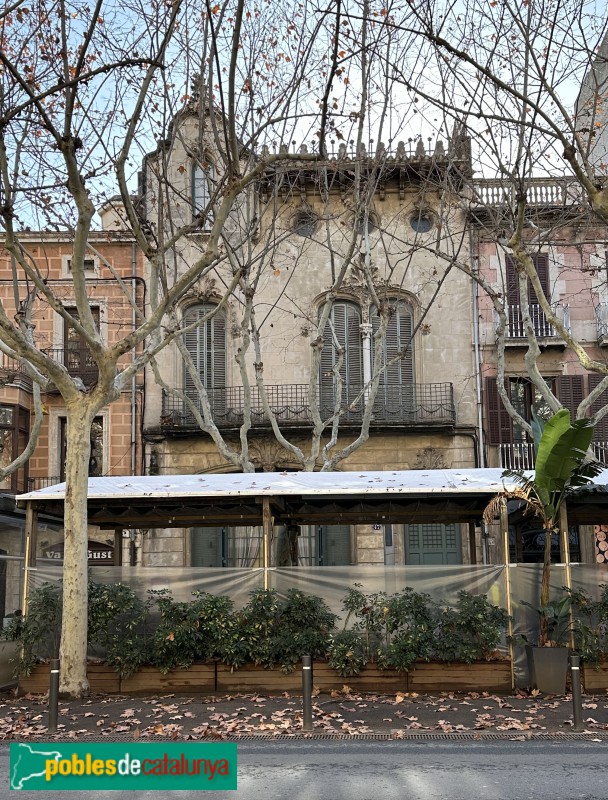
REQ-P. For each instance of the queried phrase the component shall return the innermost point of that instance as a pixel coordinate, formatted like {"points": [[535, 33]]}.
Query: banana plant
{"points": [[562, 463]]}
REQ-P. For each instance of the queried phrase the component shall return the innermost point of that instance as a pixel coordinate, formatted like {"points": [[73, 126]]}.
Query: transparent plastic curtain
{"points": [[442, 583], [182, 581]]}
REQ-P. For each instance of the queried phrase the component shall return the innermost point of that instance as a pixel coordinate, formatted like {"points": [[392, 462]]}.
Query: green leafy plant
{"points": [[38, 633], [347, 654], [591, 625], [393, 631], [561, 465], [555, 618], [471, 631], [304, 627], [410, 622], [192, 631], [118, 627], [252, 638]]}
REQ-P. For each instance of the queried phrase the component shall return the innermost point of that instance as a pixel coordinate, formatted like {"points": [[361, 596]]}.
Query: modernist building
{"points": [[306, 228]]}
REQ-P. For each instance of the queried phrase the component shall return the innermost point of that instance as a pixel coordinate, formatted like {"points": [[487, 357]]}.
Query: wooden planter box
{"points": [[199, 678], [102, 679], [595, 679], [494, 676]]}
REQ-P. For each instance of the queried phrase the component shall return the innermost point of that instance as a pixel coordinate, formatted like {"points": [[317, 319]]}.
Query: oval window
{"points": [[305, 223], [421, 221]]}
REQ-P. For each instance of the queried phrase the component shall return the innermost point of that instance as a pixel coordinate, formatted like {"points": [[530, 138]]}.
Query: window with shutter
{"points": [[77, 358], [202, 177], [342, 332], [541, 326], [499, 427], [206, 344], [395, 397], [600, 433], [570, 392]]}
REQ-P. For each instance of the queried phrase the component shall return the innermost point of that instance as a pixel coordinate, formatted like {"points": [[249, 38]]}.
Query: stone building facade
{"points": [[304, 227]]}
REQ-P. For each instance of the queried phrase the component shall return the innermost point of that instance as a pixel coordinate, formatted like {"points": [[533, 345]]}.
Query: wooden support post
{"points": [[118, 547], [29, 557], [472, 544], [504, 529], [267, 530]]}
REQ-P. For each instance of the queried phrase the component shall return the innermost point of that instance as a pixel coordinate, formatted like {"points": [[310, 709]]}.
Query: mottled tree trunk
{"points": [[73, 647]]}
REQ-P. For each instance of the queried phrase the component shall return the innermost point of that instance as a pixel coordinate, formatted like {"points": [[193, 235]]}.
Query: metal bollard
{"points": [[53, 695], [307, 693], [577, 703]]}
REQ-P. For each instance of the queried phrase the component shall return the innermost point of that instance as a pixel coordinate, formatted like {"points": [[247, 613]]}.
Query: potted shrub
{"points": [[561, 465]]}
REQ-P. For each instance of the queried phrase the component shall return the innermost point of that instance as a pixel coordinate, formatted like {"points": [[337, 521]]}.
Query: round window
{"points": [[305, 223], [421, 221]]}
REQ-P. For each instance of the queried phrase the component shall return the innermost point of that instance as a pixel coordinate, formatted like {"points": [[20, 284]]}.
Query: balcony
{"points": [[78, 362], [416, 405], [545, 332], [543, 193], [600, 451], [601, 316], [12, 372], [520, 455], [516, 455], [42, 483]]}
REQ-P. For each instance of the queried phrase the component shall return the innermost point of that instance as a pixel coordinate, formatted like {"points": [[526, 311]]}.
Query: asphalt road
{"points": [[399, 770]]}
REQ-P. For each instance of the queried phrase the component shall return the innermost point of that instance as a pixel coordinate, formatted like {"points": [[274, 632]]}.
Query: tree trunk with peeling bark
{"points": [[73, 646]]}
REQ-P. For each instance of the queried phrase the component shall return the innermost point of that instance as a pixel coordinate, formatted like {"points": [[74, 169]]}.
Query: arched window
{"points": [[202, 180], [206, 344], [395, 399], [342, 332]]}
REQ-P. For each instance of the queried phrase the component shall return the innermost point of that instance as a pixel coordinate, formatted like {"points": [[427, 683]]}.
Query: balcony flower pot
{"points": [[548, 668]]}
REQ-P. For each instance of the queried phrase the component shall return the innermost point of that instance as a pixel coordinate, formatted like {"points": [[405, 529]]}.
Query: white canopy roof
{"points": [[415, 482]]}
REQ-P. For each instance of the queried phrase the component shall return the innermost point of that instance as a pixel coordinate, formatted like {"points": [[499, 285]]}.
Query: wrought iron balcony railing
{"points": [[541, 325], [516, 455], [601, 316], [408, 405], [520, 455], [77, 361], [600, 450], [43, 483]]}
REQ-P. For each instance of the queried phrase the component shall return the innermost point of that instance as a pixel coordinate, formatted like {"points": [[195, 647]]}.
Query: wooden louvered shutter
{"points": [[346, 319], [541, 263], [206, 344], [396, 389], [512, 282], [499, 428], [570, 392], [600, 434], [337, 318], [193, 346], [353, 366]]}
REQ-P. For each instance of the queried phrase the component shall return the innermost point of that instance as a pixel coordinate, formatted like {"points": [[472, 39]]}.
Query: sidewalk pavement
{"points": [[345, 713]]}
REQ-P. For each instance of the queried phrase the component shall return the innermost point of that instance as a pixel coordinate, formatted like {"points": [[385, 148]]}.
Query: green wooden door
{"points": [[334, 545], [433, 543], [207, 547]]}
